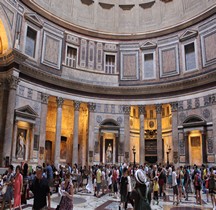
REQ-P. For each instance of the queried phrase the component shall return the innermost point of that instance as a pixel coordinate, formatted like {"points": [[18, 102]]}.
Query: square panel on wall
{"points": [[129, 65], [52, 50], [169, 60]]}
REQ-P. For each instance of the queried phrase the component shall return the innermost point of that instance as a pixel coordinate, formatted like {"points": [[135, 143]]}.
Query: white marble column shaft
{"points": [[159, 134], [127, 153], [142, 137]]}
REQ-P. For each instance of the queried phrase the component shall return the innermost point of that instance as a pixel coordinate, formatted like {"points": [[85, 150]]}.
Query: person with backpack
{"points": [[140, 194], [198, 186], [212, 187]]}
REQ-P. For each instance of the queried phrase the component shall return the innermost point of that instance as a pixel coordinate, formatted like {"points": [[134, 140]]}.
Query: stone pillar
{"points": [[59, 101], [175, 142], [43, 118], [204, 149], [186, 141], [31, 142], [76, 132], [213, 102], [159, 134], [8, 136], [14, 141], [91, 141], [127, 146], [142, 136]]}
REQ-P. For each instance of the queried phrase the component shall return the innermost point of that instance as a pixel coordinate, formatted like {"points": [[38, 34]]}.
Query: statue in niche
{"points": [[21, 144], [109, 153]]}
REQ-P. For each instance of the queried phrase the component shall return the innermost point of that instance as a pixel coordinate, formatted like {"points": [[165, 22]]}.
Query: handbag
{"points": [[4, 189]]}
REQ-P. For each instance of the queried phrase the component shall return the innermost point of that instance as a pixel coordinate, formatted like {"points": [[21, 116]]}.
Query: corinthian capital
{"points": [[13, 82], [158, 108], [44, 98], [174, 106], [126, 109], [141, 109], [59, 101], [77, 105], [92, 107]]}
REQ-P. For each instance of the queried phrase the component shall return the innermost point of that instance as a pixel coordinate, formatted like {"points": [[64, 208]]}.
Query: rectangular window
{"points": [[110, 64], [30, 44], [71, 56], [190, 58], [148, 66]]}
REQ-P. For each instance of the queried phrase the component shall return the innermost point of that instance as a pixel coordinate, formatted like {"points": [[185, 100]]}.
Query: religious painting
{"points": [[21, 143], [109, 150]]}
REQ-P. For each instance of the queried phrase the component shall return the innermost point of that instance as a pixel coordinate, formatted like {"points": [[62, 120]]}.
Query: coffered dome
{"points": [[124, 18]]}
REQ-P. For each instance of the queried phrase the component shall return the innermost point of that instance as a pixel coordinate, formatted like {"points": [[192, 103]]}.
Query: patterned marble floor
{"points": [[87, 201]]}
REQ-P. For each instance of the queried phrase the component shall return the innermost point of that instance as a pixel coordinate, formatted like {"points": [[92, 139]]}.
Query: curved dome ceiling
{"points": [[123, 17]]}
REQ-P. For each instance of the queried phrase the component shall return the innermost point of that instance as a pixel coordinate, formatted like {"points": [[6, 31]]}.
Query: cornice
{"points": [[106, 35], [148, 90]]}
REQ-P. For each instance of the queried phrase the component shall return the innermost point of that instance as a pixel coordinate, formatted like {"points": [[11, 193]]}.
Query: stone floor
{"points": [[87, 201]]}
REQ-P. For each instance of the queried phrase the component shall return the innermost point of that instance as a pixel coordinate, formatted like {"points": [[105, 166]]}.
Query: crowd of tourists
{"points": [[141, 186]]}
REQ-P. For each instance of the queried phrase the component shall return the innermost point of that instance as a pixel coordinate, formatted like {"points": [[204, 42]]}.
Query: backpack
{"points": [[143, 202], [211, 184]]}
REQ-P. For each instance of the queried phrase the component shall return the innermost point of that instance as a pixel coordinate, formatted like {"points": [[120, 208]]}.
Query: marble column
{"points": [[186, 141], [76, 132], [43, 119], [14, 141], [31, 142], [204, 149], [142, 135], [127, 146], [175, 142], [59, 101], [213, 102], [91, 141], [159, 134], [8, 136]]}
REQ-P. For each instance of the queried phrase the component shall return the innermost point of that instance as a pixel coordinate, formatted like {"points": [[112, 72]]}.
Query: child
{"points": [[155, 189]]}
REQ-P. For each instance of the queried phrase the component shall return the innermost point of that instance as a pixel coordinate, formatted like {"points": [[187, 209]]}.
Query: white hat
{"points": [[140, 176]]}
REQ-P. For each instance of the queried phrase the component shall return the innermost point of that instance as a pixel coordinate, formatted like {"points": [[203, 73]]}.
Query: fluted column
{"points": [[76, 132], [127, 146], [43, 118], [142, 137], [91, 142], [59, 101], [7, 145], [175, 142], [159, 134]]}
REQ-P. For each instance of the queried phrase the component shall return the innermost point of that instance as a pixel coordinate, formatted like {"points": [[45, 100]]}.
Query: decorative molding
{"points": [[9, 14], [99, 119], [180, 106], [182, 117], [148, 45], [206, 113], [141, 109], [189, 104], [197, 103], [13, 81], [207, 100], [119, 120], [33, 18], [26, 112], [188, 35], [210, 145]]}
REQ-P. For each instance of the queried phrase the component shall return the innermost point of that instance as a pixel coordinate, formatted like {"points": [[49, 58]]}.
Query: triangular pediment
{"points": [[188, 35], [26, 112], [148, 45], [32, 17]]}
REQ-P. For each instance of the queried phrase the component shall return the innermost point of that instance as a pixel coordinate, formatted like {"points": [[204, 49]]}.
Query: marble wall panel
{"points": [[52, 50], [129, 65], [99, 56], [210, 49], [91, 55], [83, 53]]}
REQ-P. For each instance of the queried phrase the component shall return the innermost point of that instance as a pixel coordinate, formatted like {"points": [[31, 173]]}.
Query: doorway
{"points": [[195, 150]]}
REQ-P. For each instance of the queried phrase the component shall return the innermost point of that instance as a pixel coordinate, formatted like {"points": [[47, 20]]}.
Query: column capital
{"points": [[213, 99], [158, 108], [92, 107], [13, 81], [59, 101], [77, 105], [44, 98], [126, 109], [141, 109], [174, 106]]}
